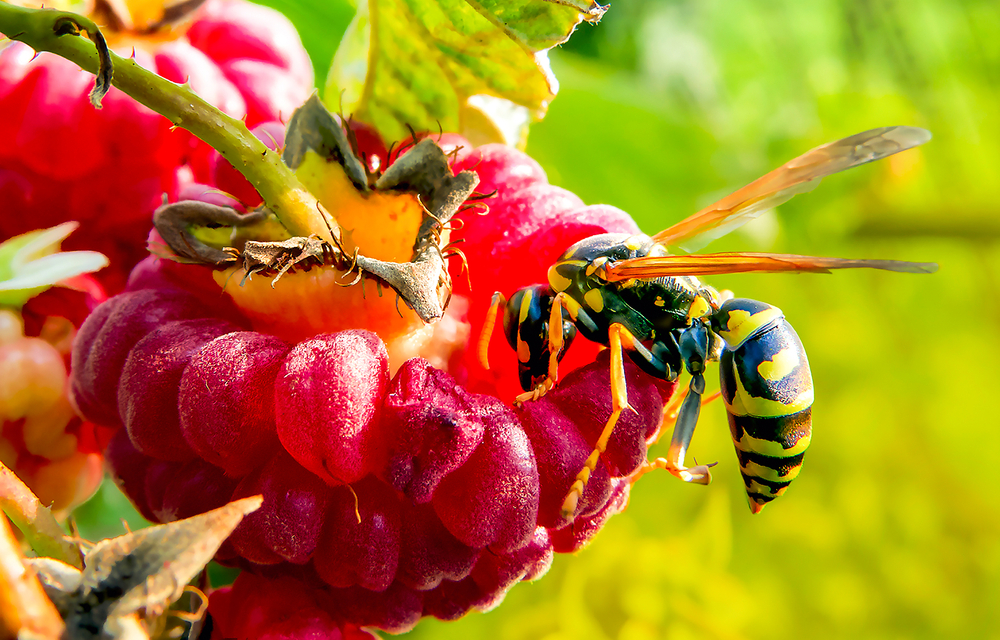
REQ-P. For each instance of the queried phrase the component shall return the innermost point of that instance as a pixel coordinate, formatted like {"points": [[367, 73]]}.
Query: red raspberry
{"points": [[392, 490], [254, 608], [245, 59]]}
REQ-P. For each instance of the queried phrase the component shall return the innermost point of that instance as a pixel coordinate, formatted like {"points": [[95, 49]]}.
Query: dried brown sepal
{"points": [[128, 582], [424, 282], [314, 128], [174, 223], [286, 254]]}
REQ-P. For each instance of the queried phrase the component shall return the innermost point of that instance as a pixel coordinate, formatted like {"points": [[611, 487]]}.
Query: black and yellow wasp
{"points": [[628, 292]]}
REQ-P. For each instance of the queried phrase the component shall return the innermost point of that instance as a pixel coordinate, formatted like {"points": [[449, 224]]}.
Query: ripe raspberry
{"points": [[254, 608], [393, 488], [245, 59]]}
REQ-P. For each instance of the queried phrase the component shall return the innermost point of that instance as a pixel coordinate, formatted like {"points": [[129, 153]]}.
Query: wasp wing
{"points": [[796, 176], [716, 263]]}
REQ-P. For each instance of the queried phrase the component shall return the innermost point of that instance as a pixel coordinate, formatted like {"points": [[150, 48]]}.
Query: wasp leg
{"points": [[577, 314], [619, 402], [555, 342], [687, 419], [540, 390], [496, 305], [673, 408]]}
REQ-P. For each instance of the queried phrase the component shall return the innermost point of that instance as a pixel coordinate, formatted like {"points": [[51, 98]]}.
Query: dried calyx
{"points": [[422, 282]]}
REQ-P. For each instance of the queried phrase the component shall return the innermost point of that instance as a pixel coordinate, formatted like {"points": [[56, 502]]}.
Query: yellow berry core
{"points": [[323, 300]]}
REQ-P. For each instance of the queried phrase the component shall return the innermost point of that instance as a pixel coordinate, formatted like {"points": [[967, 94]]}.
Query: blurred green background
{"points": [[893, 528]]}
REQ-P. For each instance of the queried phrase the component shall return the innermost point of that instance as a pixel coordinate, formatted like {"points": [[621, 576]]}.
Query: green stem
{"points": [[296, 208]]}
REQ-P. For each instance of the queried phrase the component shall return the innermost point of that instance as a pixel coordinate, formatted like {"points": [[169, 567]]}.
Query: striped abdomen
{"points": [[768, 391]]}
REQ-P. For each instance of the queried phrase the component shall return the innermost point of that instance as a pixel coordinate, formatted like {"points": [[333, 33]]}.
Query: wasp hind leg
{"points": [[687, 419], [694, 345]]}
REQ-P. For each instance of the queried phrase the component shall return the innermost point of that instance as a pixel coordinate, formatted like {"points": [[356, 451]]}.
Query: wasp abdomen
{"points": [[768, 391]]}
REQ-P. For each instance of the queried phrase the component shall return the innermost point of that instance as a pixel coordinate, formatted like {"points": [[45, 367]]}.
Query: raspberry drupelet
{"points": [[398, 479]]}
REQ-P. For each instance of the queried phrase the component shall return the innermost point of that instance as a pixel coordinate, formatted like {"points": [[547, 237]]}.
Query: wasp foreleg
{"points": [[497, 304], [577, 314]]}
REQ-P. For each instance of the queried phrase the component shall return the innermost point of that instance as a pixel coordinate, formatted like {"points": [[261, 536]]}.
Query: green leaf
{"points": [[478, 68], [31, 263]]}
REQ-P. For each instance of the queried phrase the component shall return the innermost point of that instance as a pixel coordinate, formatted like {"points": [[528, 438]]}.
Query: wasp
{"points": [[629, 293]]}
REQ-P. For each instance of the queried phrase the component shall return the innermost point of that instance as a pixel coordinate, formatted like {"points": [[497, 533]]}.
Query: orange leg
{"points": [[498, 303], [555, 343], [619, 402]]}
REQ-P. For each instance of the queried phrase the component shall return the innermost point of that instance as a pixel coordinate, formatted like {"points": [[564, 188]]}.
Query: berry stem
{"points": [[35, 520], [46, 30]]}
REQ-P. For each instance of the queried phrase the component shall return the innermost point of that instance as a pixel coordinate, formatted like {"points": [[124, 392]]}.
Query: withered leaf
{"points": [[138, 575]]}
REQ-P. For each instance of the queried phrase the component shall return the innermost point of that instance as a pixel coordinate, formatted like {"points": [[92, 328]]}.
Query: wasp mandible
{"points": [[628, 292]]}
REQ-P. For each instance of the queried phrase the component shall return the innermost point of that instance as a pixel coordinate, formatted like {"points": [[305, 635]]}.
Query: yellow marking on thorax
{"points": [[767, 473], [783, 363], [558, 281], [740, 324], [525, 306], [745, 404], [634, 243], [594, 300], [699, 308]]}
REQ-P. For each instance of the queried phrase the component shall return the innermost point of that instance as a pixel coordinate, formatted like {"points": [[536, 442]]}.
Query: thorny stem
{"points": [[296, 208], [35, 520]]}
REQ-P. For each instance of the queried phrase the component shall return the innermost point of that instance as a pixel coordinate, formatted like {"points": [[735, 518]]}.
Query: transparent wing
{"points": [[796, 176], [716, 263]]}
